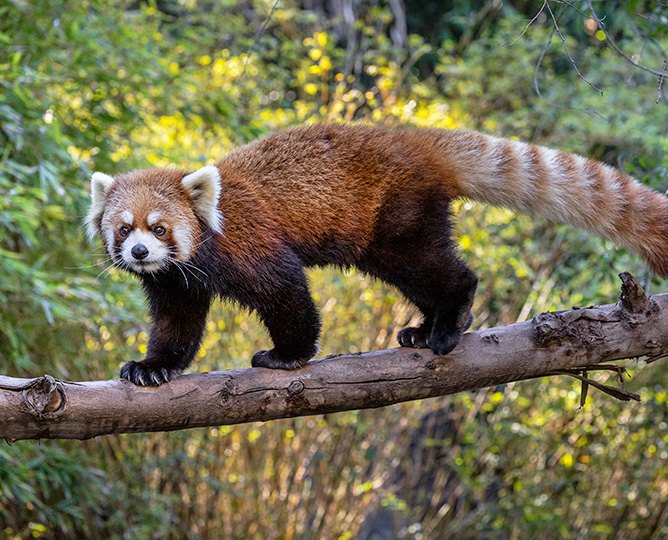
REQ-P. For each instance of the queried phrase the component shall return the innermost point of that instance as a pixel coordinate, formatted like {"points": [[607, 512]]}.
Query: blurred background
{"points": [[113, 85]]}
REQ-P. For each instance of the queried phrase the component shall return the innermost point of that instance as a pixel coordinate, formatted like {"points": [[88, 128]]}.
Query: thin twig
{"points": [[599, 367], [651, 359], [537, 70], [613, 391], [257, 38], [661, 77], [651, 20], [573, 8], [528, 25], [563, 41]]}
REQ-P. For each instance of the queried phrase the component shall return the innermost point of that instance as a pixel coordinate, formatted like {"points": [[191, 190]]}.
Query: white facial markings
{"points": [[153, 218], [127, 217], [157, 256], [182, 235], [109, 238]]}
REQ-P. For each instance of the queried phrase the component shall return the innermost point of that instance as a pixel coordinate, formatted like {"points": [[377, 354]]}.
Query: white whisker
{"points": [[202, 242], [193, 267], [87, 265], [189, 265], [182, 273], [181, 265], [106, 271]]}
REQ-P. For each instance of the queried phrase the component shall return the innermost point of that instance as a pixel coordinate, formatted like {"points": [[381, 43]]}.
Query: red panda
{"points": [[374, 198]]}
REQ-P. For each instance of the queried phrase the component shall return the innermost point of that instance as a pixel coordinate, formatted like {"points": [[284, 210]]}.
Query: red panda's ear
{"points": [[99, 185], [203, 187]]}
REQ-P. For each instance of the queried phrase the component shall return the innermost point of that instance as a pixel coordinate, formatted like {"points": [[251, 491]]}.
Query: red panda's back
{"points": [[332, 181]]}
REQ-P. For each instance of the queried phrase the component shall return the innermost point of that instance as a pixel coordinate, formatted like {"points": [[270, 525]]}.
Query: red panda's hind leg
{"points": [[431, 275], [413, 251], [456, 285], [443, 291]]}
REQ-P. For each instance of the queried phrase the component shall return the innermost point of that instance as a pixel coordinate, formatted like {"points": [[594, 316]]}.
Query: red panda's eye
{"points": [[124, 231], [158, 231]]}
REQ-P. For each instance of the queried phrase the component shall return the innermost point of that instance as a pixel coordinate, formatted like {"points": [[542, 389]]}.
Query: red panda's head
{"points": [[150, 217]]}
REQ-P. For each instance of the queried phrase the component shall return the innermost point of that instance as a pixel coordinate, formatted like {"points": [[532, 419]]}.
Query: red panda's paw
{"points": [[442, 341], [143, 374], [272, 360], [414, 337]]}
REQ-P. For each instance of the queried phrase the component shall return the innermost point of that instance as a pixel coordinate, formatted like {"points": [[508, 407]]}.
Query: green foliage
{"points": [[112, 85]]}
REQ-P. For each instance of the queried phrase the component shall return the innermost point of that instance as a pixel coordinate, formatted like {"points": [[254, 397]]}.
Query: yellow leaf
{"points": [[566, 460]]}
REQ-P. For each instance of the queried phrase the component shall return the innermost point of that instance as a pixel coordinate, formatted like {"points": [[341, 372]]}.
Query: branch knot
{"points": [[296, 387], [45, 398]]}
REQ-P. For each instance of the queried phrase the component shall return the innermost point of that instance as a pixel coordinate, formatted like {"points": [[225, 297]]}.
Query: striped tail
{"points": [[562, 187]]}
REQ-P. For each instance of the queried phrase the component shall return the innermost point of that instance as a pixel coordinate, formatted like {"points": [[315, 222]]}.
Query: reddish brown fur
{"points": [[326, 184]]}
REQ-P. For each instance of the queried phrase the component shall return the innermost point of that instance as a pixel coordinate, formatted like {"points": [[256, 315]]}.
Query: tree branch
{"points": [[539, 64], [563, 42], [564, 342]]}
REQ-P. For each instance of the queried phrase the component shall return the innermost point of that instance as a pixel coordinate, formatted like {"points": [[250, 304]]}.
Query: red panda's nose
{"points": [[139, 251]]}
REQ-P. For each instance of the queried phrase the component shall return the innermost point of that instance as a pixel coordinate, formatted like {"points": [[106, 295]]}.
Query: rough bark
{"points": [[551, 343]]}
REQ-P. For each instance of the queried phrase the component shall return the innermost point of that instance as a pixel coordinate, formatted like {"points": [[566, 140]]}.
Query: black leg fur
{"points": [[179, 320], [413, 251], [291, 317], [453, 314]]}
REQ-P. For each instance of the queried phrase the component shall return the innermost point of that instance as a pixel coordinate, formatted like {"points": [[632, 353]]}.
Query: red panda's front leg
{"points": [[179, 321]]}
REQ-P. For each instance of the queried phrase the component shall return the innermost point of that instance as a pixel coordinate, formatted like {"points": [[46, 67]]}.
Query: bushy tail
{"points": [[562, 187]]}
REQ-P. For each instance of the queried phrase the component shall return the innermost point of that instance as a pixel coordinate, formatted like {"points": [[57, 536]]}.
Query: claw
{"points": [[142, 374]]}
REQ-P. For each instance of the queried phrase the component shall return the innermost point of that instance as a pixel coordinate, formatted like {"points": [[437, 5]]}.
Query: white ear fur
{"points": [[203, 187], [99, 185]]}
